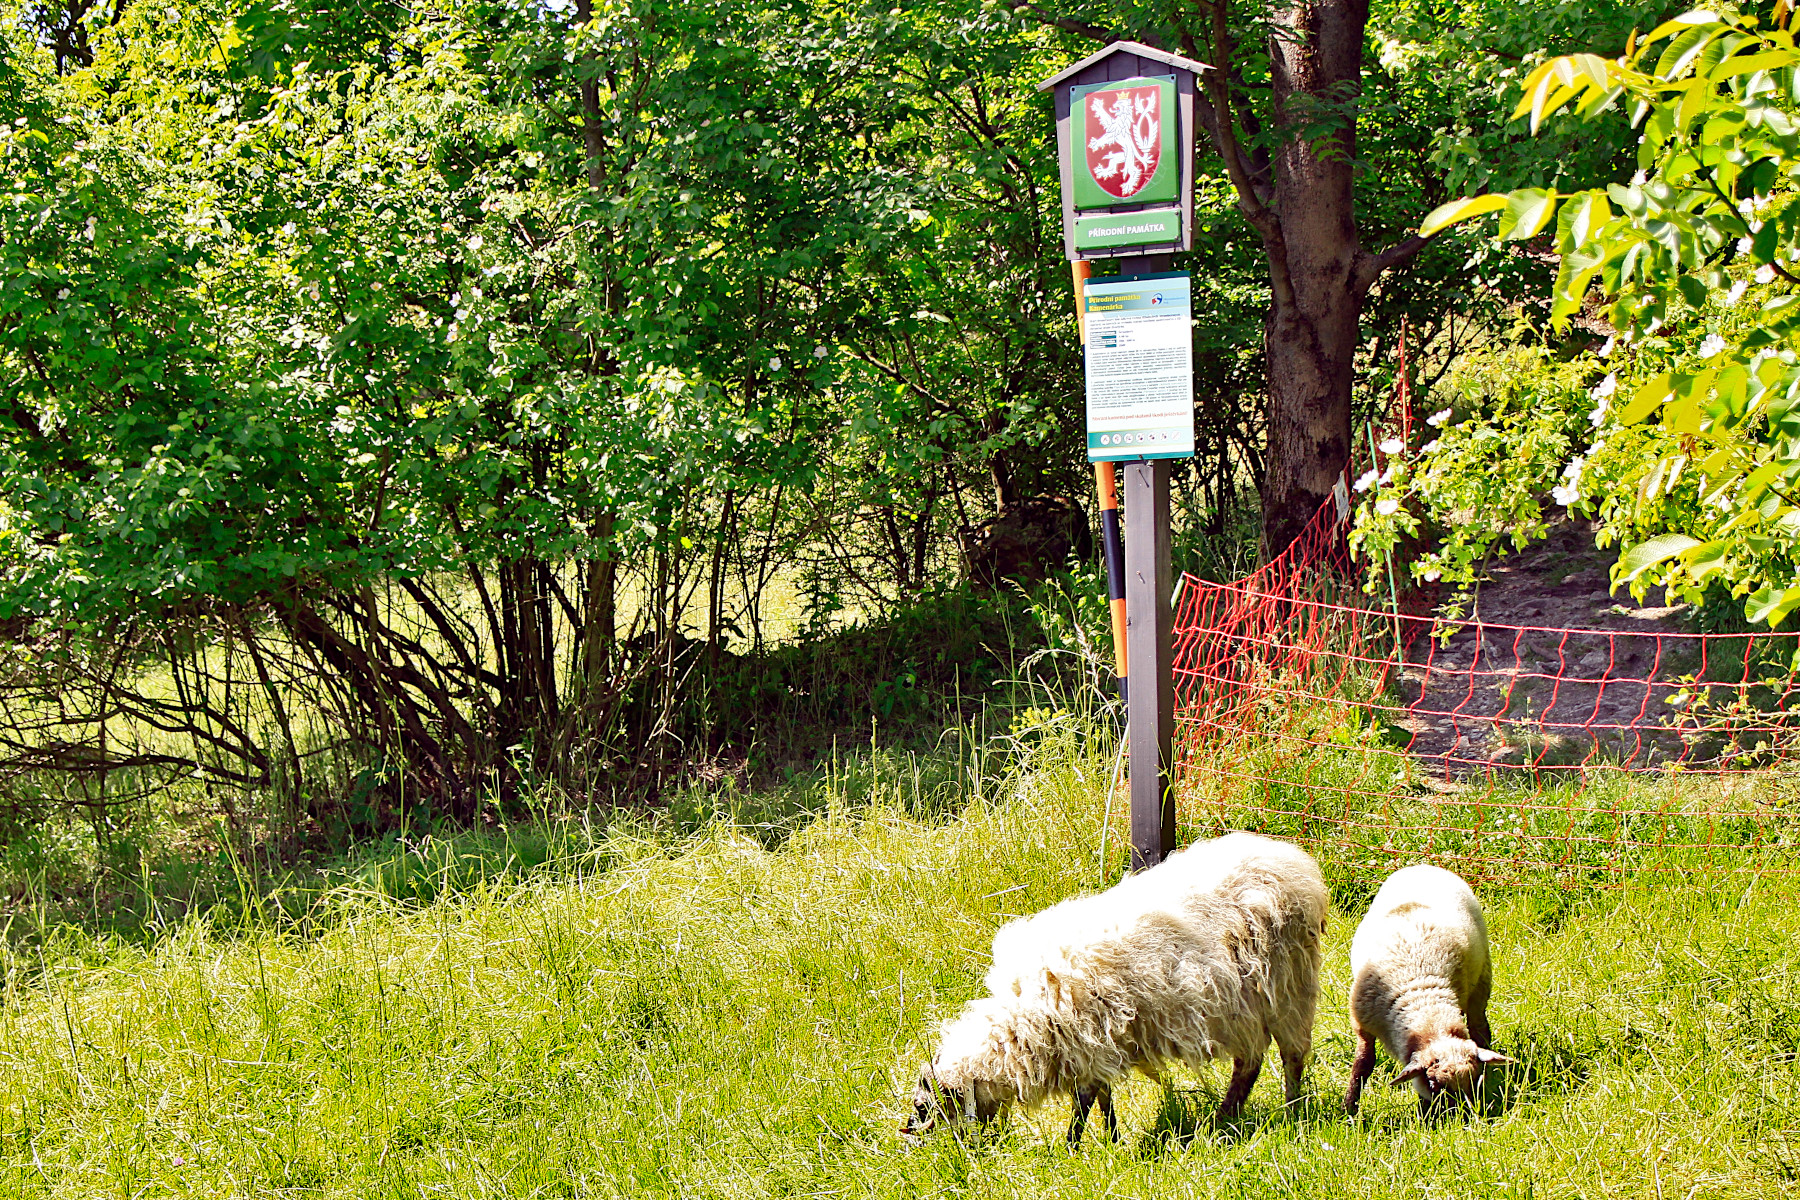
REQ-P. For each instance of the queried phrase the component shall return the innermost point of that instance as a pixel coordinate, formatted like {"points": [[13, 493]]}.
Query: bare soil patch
{"points": [[1552, 669]]}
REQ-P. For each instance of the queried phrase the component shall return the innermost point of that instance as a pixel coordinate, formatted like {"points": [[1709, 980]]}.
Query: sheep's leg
{"points": [[1084, 1100], [1106, 1110], [1360, 1070], [1479, 1031], [1243, 1077], [1293, 1065]]}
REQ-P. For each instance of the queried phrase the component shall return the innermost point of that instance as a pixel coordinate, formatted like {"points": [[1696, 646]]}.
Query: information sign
{"points": [[1140, 367], [1125, 141]]}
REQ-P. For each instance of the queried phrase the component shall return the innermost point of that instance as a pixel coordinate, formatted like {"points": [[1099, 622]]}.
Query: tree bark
{"points": [[1310, 334]]}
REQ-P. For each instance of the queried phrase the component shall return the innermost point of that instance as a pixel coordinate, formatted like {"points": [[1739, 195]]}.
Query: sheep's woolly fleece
{"points": [[1203, 956], [1421, 975]]}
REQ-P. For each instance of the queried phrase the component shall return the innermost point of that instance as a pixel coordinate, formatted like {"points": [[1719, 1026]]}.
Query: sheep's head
{"points": [[966, 1081], [934, 1101], [951, 1102], [1447, 1066]]}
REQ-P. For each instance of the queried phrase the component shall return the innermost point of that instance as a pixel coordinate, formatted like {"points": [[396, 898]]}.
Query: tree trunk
{"points": [[1310, 351], [715, 591], [599, 610], [1310, 334]]}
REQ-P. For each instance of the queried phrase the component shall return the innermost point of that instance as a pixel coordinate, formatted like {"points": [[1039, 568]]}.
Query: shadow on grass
{"points": [[1188, 1116]]}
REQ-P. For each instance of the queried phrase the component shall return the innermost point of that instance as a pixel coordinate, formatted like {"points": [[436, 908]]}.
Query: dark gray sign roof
{"points": [[1137, 48]]}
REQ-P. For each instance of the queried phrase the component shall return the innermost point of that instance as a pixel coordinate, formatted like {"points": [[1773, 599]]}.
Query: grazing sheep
{"points": [[1206, 955], [1420, 978]]}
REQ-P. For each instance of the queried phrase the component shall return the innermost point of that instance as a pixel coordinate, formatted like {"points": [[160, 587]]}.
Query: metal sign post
{"points": [[1125, 132]]}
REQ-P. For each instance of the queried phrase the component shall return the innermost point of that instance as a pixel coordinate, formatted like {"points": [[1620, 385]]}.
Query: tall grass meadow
{"points": [[730, 1000]]}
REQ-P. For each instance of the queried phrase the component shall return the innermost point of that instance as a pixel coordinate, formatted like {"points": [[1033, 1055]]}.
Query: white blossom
{"points": [[1438, 418], [1637, 180], [820, 352], [1737, 292], [775, 364], [1428, 447], [1364, 481], [1387, 507], [476, 242], [1387, 476], [1713, 345], [1743, 245], [1765, 274], [1392, 446], [1432, 575], [1602, 392], [1606, 350], [1569, 490]]}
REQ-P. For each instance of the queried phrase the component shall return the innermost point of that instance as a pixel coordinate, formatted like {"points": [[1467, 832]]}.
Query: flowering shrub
{"points": [[1477, 485], [1526, 438]]}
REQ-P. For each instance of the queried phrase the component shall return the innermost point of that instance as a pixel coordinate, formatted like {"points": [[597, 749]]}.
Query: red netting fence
{"points": [[1501, 748]]}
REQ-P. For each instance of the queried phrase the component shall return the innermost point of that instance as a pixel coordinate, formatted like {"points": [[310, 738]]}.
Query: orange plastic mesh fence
{"points": [[1506, 751]]}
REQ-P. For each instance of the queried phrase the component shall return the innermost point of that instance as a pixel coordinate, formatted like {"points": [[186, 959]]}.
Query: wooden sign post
{"points": [[1125, 135]]}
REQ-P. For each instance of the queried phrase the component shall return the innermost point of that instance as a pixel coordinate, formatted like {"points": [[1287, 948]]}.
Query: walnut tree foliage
{"points": [[1693, 462]]}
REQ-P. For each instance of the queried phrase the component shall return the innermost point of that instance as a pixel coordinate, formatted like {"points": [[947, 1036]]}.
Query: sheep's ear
{"points": [[1492, 1056], [1412, 1072]]}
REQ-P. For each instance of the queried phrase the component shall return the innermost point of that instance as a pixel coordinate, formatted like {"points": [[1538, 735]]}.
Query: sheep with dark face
{"points": [[1207, 955], [1420, 981]]}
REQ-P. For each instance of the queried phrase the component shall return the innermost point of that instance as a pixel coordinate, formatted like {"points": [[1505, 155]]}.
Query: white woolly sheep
{"points": [[1206, 955], [1420, 979]]}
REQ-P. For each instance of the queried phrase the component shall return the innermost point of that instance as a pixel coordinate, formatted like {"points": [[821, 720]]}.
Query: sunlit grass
{"points": [[735, 1013]]}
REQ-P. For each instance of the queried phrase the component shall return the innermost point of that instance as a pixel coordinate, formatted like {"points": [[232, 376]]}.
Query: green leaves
{"points": [[1558, 81], [1523, 214], [1446, 215], [1701, 462], [1526, 213], [1771, 605], [1642, 557]]}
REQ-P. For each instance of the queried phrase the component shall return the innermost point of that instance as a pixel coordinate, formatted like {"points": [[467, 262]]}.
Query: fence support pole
{"points": [[1112, 546], [1150, 724]]}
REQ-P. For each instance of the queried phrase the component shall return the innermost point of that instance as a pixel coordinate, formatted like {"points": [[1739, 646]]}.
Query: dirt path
{"points": [[1551, 669]]}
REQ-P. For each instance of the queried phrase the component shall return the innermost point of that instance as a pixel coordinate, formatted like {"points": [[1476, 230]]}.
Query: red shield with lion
{"points": [[1124, 138]]}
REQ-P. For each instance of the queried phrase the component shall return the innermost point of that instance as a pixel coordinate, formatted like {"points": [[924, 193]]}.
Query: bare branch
{"points": [[1370, 267], [1216, 115]]}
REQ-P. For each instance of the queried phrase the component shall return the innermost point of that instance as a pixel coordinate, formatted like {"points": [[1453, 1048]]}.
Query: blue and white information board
{"points": [[1140, 367]]}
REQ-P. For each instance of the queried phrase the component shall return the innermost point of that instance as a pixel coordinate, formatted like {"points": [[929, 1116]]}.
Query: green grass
{"points": [[737, 1013]]}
